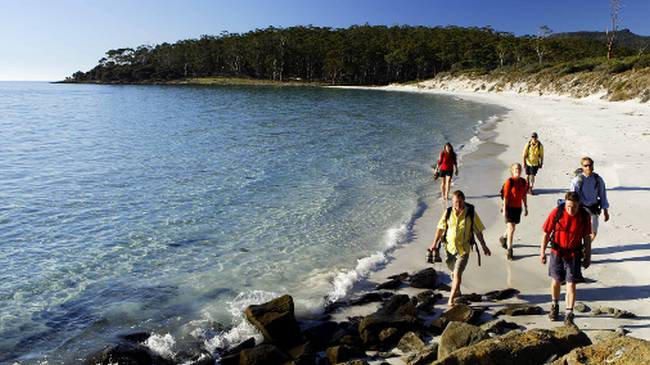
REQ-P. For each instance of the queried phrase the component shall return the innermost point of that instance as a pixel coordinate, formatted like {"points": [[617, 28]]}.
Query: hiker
{"points": [[513, 194], [592, 191], [447, 161], [456, 229], [533, 160], [568, 231]]}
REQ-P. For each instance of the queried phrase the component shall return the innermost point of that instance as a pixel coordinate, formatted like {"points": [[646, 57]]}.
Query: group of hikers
{"points": [[569, 229]]}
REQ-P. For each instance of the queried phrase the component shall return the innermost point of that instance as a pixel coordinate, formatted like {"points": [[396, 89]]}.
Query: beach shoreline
{"points": [[616, 277]]}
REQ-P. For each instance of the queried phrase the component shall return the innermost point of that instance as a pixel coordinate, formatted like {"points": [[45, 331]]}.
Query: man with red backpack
{"points": [[568, 231]]}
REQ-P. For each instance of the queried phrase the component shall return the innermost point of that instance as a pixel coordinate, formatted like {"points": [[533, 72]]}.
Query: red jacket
{"points": [[446, 161], [569, 230]]}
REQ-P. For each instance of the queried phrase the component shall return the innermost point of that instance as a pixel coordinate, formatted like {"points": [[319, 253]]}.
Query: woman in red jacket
{"points": [[446, 163]]}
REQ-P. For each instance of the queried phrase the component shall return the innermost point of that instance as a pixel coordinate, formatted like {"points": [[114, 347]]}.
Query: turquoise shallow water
{"points": [[170, 208]]}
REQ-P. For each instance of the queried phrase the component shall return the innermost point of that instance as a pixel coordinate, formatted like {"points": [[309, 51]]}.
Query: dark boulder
{"points": [[321, 334], [126, 354], [498, 326], [424, 279], [304, 354], [399, 305], [135, 336], [615, 351], [276, 320], [468, 298], [390, 285], [615, 312], [437, 326], [424, 357], [411, 342], [581, 307], [264, 354], [231, 356], [371, 297], [342, 353], [516, 348], [400, 276], [520, 310], [500, 294], [462, 313], [458, 335]]}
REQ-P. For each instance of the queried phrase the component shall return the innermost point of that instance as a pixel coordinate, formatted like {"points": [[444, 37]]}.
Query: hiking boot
{"points": [[437, 258], [504, 241], [509, 254], [554, 313], [568, 319]]}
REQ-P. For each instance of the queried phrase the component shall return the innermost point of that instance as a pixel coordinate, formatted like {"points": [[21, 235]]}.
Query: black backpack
{"points": [[472, 241]]}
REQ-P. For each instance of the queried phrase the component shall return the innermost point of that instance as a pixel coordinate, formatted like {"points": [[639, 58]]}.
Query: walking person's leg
{"points": [[510, 238], [557, 272], [443, 188], [556, 285], [447, 187], [457, 265]]}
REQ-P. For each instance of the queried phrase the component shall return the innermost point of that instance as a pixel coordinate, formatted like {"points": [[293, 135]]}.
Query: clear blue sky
{"points": [[48, 40]]}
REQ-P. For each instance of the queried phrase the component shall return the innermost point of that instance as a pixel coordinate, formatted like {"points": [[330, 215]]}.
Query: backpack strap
{"points": [[581, 180], [582, 215], [447, 215], [472, 242]]}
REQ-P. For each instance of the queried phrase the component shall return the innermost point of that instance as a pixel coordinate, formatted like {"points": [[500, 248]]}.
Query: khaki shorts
{"points": [[457, 263]]}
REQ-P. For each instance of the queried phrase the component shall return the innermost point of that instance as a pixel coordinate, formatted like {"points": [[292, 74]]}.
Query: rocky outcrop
{"points": [[530, 347], [615, 312], [398, 313], [263, 354], [458, 335], [500, 294], [520, 310], [276, 321], [424, 357], [342, 353], [411, 342], [424, 279], [498, 326], [391, 284], [127, 354], [462, 313], [615, 351]]}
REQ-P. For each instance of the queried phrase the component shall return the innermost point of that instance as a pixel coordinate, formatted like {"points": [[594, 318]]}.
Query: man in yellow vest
{"points": [[456, 229], [533, 160]]}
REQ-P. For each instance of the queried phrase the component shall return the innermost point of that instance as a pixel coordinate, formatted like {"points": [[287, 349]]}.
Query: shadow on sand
{"points": [[616, 293], [553, 191]]}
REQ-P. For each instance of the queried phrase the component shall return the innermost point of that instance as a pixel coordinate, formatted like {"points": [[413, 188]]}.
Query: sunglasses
{"points": [[587, 165]]}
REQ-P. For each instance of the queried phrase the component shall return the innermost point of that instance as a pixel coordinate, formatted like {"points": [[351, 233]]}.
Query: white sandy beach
{"points": [[617, 136]]}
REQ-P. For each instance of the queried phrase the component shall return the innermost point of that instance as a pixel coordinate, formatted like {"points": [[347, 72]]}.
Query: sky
{"points": [[51, 39]]}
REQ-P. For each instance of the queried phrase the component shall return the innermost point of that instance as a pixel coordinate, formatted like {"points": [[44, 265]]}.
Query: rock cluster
{"points": [[402, 326]]}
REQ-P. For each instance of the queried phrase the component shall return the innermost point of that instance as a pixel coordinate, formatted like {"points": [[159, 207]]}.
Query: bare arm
{"points": [[542, 251], [481, 239], [437, 238], [586, 260], [526, 204], [456, 165]]}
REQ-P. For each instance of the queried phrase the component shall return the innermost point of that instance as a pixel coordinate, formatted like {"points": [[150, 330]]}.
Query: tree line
{"points": [[360, 55]]}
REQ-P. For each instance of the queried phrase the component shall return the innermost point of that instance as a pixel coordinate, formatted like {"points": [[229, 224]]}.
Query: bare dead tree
{"points": [[614, 12], [540, 46]]}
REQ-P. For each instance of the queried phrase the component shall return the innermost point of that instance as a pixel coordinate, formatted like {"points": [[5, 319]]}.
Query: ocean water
{"points": [[171, 208]]}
